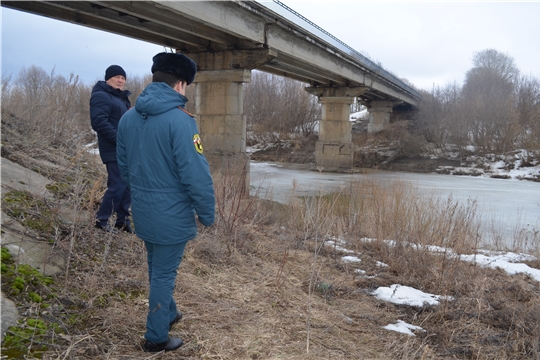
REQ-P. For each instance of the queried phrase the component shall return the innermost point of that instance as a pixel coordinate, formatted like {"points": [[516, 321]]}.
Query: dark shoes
{"points": [[177, 319], [122, 227], [125, 227], [170, 344], [107, 228]]}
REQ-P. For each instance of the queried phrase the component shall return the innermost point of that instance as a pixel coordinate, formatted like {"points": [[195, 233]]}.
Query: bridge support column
{"points": [[379, 115], [334, 149], [219, 103]]}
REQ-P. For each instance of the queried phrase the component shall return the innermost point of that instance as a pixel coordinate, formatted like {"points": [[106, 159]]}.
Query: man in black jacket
{"points": [[109, 101]]}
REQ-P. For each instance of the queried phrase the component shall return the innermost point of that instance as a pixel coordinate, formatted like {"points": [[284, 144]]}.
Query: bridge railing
{"points": [[334, 41]]}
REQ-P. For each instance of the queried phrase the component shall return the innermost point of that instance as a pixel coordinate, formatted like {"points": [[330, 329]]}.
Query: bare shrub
{"points": [[237, 212], [442, 120], [50, 108], [402, 227], [528, 107], [281, 293], [396, 211], [419, 239], [136, 85], [279, 105]]}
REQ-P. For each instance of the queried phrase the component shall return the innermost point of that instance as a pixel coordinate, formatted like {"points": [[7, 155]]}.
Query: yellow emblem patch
{"points": [[197, 143]]}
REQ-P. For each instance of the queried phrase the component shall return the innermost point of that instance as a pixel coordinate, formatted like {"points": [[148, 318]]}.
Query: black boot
{"points": [[107, 228], [170, 344], [176, 319], [125, 227]]}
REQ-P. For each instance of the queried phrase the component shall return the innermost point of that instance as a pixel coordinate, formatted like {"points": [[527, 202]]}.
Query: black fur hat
{"points": [[114, 70], [176, 64]]}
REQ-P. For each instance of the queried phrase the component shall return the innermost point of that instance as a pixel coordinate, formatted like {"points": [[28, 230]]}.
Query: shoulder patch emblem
{"points": [[197, 143]]}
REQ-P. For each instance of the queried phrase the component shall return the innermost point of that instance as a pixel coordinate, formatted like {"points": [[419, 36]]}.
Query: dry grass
{"points": [[272, 291], [259, 303], [261, 284]]}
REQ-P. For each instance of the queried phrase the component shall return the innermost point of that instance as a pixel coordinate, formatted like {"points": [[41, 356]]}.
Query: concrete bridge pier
{"points": [[379, 115], [334, 149], [219, 100], [219, 103]]}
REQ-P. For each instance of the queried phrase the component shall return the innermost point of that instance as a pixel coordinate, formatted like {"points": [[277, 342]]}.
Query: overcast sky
{"points": [[428, 43]]}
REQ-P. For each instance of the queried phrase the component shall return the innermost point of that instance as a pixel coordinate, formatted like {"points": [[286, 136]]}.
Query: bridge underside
{"points": [[227, 40]]}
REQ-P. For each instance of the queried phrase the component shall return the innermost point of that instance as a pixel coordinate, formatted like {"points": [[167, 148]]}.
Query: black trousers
{"points": [[117, 198]]}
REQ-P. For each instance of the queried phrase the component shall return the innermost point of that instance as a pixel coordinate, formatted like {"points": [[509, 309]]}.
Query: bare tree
{"points": [[32, 83], [136, 85], [51, 105], [488, 97], [528, 100], [260, 99], [276, 104], [528, 108], [440, 120], [502, 64]]}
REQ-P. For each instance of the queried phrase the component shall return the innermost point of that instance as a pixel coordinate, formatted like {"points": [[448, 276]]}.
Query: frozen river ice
{"points": [[507, 204]]}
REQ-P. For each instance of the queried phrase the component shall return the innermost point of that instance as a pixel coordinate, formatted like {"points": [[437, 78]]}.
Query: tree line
{"points": [[496, 110], [52, 109], [57, 108]]}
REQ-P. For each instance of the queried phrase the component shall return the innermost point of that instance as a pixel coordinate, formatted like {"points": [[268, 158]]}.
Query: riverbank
{"points": [[301, 280], [506, 210], [381, 153]]}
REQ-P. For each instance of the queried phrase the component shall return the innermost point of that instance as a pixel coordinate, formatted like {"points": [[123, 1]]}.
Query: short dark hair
{"points": [[168, 78]]}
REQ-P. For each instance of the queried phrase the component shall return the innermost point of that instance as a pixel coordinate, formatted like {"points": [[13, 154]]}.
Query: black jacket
{"points": [[107, 105]]}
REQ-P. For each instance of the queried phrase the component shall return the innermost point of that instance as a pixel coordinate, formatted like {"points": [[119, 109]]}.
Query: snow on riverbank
{"points": [[405, 295]]}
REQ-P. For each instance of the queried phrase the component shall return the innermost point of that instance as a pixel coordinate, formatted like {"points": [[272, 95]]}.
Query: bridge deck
{"points": [[314, 57]]}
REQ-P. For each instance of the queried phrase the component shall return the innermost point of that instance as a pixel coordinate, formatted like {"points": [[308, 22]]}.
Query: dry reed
{"points": [[262, 284]]}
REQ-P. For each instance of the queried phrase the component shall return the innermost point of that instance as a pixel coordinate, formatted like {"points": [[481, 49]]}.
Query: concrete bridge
{"points": [[229, 39]]}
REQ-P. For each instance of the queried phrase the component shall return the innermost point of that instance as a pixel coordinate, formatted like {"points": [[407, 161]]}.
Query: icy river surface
{"points": [[504, 204]]}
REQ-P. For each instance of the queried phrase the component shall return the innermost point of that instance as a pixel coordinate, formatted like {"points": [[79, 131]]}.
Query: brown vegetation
{"points": [[270, 289], [496, 110], [261, 283]]}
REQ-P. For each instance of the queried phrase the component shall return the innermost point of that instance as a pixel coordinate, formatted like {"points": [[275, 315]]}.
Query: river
{"points": [[504, 205]]}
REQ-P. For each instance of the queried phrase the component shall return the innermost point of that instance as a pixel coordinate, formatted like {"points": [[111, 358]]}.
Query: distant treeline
{"points": [[496, 110], [57, 108]]}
